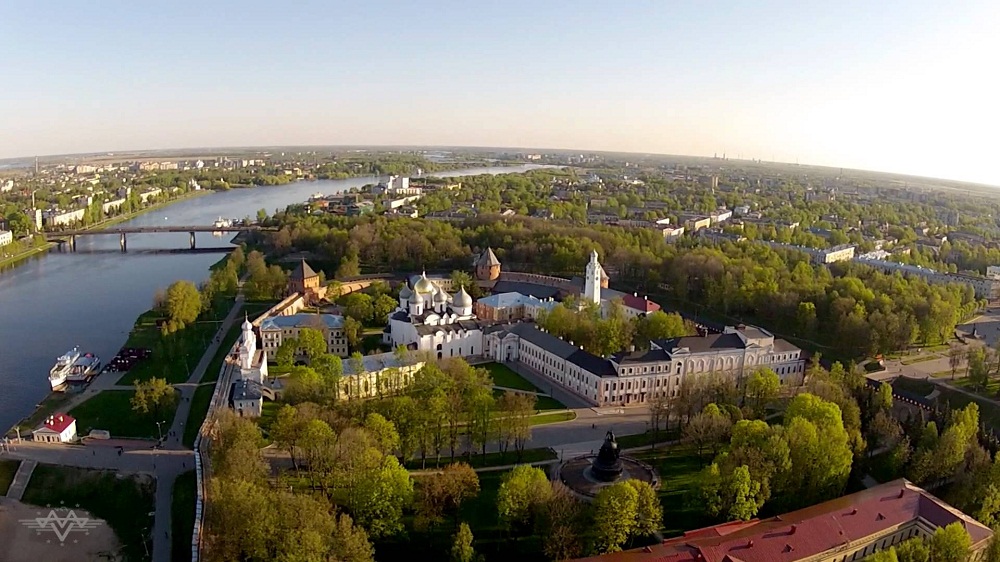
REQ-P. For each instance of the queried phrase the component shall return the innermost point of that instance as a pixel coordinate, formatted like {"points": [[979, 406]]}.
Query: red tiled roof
{"points": [[58, 422], [640, 303], [807, 532]]}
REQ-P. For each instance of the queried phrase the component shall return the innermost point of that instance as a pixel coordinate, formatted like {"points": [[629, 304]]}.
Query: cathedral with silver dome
{"points": [[431, 319]]}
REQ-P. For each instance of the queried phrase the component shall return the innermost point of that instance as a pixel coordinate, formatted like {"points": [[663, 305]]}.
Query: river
{"points": [[91, 298]]}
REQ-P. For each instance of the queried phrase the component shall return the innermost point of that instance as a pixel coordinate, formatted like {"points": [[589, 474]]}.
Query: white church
{"points": [[429, 319], [247, 391]]}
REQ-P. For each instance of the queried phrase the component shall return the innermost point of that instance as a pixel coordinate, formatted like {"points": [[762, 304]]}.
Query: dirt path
{"points": [[26, 539]]}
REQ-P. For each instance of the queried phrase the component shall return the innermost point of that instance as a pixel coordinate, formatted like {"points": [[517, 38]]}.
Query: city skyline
{"points": [[895, 87]]}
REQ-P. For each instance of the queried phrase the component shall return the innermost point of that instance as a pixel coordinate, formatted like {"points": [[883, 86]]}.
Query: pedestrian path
{"points": [[21, 479]]}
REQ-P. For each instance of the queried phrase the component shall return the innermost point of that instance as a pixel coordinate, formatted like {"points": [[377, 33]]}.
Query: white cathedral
{"points": [[429, 319]]}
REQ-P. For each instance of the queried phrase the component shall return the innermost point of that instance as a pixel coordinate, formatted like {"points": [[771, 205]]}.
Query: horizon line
{"points": [[491, 148]]}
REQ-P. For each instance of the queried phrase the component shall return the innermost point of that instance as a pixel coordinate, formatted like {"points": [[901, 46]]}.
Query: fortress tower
{"points": [[487, 266]]}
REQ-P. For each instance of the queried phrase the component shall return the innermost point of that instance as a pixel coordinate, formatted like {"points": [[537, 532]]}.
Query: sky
{"points": [[899, 86]]}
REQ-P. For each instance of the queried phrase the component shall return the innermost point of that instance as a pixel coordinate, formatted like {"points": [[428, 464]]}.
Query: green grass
{"points": [[111, 410], [552, 417], [503, 376], [988, 411], [174, 355], [646, 438], [51, 404], [679, 468], [920, 359], [491, 459], [7, 471], [125, 503], [268, 412], [542, 403], [200, 402], [182, 512], [372, 343]]}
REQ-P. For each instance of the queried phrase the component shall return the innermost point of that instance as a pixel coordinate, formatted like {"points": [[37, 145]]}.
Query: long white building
{"points": [[633, 377]]}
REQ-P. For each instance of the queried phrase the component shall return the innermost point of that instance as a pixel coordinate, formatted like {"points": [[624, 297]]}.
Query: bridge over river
{"points": [[68, 237]]}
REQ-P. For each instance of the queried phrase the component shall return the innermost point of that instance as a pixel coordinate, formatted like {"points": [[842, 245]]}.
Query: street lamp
{"points": [[160, 431]]}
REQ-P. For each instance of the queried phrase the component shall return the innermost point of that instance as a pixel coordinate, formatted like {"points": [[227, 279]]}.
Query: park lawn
{"points": [[268, 412], [552, 417], [8, 469], [126, 503], [992, 389], [50, 405], [920, 359], [679, 468], [646, 438], [542, 404], [491, 459], [174, 355], [200, 402], [111, 410], [503, 376], [182, 512], [988, 411]]}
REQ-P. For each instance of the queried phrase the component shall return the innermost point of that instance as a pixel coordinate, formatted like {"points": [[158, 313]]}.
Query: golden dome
{"points": [[424, 285]]}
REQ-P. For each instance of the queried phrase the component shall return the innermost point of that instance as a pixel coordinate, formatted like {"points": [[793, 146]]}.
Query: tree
{"points": [[382, 307], [376, 492], [349, 543], [183, 303], [615, 510], [235, 450], [353, 331], [383, 431], [734, 494], [444, 493], [888, 555], [956, 356], [285, 355], [461, 279], [330, 368], [883, 431], [461, 547], [522, 490], [707, 428], [883, 399], [561, 524], [154, 398], [762, 387], [950, 544], [979, 373], [312, 342], [819, 449], [659, 325], [913, 550], [286, 430], [660, 406], [648, 512], [480, 407], [359, 306]]}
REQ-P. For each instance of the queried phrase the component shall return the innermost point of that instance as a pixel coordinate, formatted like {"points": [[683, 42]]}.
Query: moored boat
{"points": [[86, 366], [60, 371]]}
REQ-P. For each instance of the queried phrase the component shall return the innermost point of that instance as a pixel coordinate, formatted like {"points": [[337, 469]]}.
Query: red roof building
{"points": [[847, 528], [641, 305], [58, 428]]}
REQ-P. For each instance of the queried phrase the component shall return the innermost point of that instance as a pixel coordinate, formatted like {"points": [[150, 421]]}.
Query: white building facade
{"points": [[6, 237], [636, 376]]}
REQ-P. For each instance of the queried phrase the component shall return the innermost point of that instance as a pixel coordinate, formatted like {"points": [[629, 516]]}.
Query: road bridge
{"points": [[68, 237]]}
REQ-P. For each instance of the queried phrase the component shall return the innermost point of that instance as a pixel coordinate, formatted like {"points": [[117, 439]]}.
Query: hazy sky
{"points": [[904, 86]]}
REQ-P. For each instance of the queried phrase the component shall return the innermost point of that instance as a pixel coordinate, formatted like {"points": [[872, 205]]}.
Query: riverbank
{"points": [[15, 260]]}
